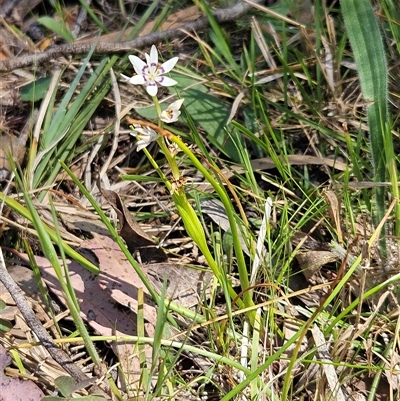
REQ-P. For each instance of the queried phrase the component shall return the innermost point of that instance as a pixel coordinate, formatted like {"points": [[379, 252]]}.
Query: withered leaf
{"points": [[136, 239], [311, 262]]}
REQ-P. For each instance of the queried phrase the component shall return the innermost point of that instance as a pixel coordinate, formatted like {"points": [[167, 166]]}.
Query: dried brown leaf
{"points": [[311, 262], [98, 297], [136, 239]]}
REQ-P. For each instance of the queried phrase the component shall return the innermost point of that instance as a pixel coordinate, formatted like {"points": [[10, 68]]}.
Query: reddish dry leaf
{"points": [[118, 283], [11, 388], [98, 297]]}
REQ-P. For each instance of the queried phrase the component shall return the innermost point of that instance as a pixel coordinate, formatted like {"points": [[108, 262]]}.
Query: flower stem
{"points": [[243, 274]]}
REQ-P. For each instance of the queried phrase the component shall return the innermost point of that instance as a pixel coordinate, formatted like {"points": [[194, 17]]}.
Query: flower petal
{"points": [[166, 81], [172, 112], [169, 65], [141, 145], [153, 59], [150, 73], [145, 136], [139, 132], [148, 62], [177, 104], [152, 88], [125, 77], [137, 80], [138, 64]]}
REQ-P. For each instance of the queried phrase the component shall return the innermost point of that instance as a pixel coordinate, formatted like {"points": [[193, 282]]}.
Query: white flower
{"points": [[145, 136], [171, 114], [151, 73]]}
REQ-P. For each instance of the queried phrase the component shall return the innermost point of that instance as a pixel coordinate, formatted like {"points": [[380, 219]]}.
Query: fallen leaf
{"points": [[97, 296], [11, 388], [186, 285], [311, 262], [136, 239]]}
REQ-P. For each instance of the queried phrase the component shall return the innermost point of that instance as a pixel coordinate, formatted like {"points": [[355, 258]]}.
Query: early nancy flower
{"points": [[151, 73], [171, 114], [145, 136]]}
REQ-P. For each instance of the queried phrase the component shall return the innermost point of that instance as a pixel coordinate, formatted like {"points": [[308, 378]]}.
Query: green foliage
{"points": [[369, 54], [63, 126], [36, 90], [59, 28], [5, 325]]}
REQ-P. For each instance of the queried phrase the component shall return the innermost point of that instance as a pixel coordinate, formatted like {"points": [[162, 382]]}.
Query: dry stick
{"points": [[80, 20], [222, 15], [36, 326]]}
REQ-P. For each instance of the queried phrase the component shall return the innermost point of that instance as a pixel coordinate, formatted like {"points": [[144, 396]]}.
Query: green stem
{"points": [[243, 274]]}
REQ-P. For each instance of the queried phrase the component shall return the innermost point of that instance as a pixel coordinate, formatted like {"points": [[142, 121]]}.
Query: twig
{"points": [[222, 15], [80, 20]]}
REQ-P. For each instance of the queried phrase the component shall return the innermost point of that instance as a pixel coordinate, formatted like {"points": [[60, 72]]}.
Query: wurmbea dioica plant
{"points": [[151, 74]]}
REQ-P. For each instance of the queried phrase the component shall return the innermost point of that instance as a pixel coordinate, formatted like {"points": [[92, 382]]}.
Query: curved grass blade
{"points": [[366, 41]]}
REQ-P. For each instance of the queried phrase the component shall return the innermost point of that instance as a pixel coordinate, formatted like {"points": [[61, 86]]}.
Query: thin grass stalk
{"points": [[145, 377], [41, 285], [393, 176]]}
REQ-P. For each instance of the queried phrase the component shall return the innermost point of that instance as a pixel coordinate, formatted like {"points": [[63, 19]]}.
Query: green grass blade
{"points": [[73, 122], [59, 28], [369, 53], [24, 212]]}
